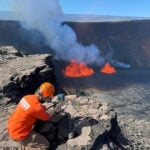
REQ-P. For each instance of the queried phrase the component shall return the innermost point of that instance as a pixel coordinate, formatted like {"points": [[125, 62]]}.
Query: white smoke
{"points": [[44, 16]]}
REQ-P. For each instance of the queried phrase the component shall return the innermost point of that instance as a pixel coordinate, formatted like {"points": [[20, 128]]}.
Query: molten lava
{"points": [[75, 69], [108, 69]]}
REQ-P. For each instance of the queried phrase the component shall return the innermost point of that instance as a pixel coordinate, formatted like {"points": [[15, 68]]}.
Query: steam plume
{"points": [[44, 16]]}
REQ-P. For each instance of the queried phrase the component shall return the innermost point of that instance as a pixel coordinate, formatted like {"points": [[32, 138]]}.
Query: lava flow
{"points": [[75, 69], [108, 69]]}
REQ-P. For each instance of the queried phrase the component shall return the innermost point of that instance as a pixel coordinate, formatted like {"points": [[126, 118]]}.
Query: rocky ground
{"points": [[128, 93], [100, 117]]}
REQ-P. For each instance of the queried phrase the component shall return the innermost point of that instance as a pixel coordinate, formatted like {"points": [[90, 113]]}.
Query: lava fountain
{"points": [[108, 69], [75, 69]]}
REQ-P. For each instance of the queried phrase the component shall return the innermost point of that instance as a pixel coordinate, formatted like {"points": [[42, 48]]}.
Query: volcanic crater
{"points": [[127, 90]]}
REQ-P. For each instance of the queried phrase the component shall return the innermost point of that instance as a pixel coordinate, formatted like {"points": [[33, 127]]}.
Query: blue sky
{"points": [[139, 8]]}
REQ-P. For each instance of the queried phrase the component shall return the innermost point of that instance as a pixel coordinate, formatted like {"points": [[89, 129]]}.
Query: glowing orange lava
{"points": [[75, 69], [108, 69]]}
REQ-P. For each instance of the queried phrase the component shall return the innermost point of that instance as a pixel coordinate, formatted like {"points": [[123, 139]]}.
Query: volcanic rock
{"points": [[21, 72]]}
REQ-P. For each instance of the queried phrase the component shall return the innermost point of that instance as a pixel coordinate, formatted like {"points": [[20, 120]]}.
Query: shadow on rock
{"points": [[61, 127], [112, 139]]}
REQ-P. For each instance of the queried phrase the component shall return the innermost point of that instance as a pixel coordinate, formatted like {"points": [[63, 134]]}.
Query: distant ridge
{"points": [[78, 18], [98, 18]]}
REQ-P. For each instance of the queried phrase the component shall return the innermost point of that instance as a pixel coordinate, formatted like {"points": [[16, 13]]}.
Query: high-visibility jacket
{"points": [[24, 116]]}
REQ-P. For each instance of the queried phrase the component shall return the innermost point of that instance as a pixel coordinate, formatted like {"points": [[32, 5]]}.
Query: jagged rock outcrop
{"points": [[21, 74]]}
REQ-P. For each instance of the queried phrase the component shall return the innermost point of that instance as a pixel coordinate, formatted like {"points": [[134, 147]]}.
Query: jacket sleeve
{"points": [[41, 113]]}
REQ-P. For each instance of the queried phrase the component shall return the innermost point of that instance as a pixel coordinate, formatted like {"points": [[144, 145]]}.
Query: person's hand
{"points": [[61, 97]]}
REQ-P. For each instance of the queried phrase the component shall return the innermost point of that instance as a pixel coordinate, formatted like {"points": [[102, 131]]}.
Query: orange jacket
{"points": [[24, 116]]}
